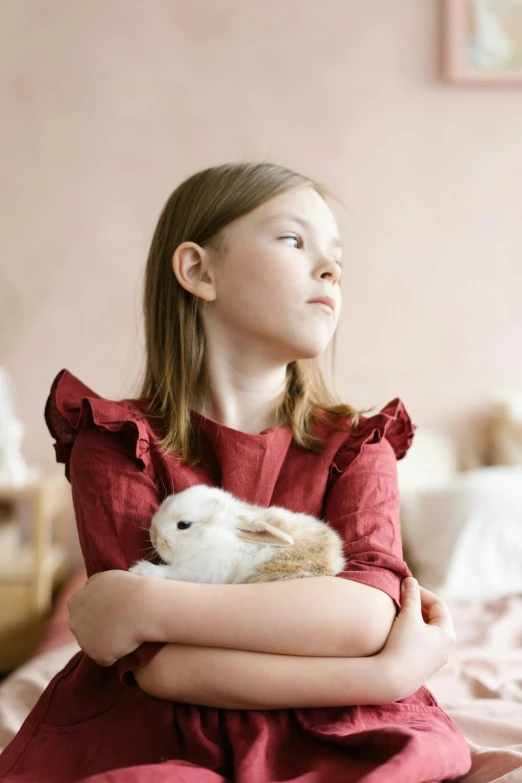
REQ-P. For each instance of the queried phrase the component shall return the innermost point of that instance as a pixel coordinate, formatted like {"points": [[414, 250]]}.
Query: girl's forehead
{"points": [[303, 205]]}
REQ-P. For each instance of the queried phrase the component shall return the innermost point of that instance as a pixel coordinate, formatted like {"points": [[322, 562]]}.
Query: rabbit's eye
{"points": [[184, 525]]}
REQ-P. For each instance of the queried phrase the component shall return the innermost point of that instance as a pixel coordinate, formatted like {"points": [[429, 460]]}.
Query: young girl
{"points": [[302, 680]]}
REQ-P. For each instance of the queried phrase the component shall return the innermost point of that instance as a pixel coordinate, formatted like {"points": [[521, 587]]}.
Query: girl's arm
{"points": [[316, 616], [236, 679], [244, 680]]}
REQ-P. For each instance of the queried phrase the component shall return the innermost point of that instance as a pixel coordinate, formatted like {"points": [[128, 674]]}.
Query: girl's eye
{"points": [[292, 236], [184, 525]]}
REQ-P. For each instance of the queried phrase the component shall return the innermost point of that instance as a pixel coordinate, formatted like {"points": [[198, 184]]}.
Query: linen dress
{"points": [[95, 724]]}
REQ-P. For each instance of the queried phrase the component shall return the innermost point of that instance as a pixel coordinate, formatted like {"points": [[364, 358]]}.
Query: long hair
{"points": [[175, 374]]}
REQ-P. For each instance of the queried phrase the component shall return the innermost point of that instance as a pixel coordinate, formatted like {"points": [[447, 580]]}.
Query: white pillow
{"points": [[465, 537], [432, 460]]}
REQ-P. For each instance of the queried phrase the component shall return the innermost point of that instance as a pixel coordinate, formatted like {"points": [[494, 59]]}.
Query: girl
{"points": [[301, 680]]}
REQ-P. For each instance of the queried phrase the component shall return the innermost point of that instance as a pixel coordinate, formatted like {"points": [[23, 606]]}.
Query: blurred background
{"points": [[411, 113], [109, 105]]}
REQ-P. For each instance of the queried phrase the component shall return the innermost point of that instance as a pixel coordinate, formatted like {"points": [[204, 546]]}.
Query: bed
{"points": [[480, 688]]}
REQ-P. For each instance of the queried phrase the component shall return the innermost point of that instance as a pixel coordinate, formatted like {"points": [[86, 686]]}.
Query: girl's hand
{"points": [[416, 647], [105, 615]]}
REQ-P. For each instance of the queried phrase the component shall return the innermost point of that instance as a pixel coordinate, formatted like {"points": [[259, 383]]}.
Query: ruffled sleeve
{"points": [[105, 447], [72, 406], [362, 501], [392, 423]]}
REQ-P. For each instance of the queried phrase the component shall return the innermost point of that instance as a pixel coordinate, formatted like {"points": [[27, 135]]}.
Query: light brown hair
{"points": [[199, 210]]}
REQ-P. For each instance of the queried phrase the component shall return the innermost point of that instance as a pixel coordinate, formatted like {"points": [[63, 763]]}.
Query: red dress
{"points": [[94, 723]]}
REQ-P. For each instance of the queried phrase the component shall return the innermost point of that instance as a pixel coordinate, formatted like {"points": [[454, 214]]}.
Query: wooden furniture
{"points": [[32, 566]]}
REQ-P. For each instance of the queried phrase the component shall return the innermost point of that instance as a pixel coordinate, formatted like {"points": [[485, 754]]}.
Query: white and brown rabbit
{"points": [[205, 534]]}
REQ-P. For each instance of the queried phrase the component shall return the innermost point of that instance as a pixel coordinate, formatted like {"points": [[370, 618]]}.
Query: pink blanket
{"points": [[481, 687]]}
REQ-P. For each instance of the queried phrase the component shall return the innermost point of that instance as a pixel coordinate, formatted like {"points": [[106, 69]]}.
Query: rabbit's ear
{"points": [[258, 532]]}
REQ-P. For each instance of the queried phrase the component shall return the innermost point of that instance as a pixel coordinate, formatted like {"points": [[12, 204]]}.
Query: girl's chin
{"points": [[311, 351]]}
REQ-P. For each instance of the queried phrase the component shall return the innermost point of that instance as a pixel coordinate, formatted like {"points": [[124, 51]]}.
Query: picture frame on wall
{"points": [[483, 42]]}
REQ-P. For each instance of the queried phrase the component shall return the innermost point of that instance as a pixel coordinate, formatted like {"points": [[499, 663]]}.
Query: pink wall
{"points": [[109, 105]]}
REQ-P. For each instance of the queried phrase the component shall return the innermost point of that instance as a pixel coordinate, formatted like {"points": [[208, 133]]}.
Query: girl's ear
{"points": [[191, 266], [256, 531]]}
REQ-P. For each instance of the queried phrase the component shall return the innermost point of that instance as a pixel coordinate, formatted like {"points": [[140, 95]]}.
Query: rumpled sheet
{"points": [[480, 688]]}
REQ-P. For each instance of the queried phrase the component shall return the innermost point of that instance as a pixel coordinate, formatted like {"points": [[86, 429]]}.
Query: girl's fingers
{"points": [[429, 599], [426, 599], [427, 596], [437, 611], [423, 601]]}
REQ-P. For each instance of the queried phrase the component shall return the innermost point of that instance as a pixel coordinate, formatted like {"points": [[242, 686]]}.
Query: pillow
{"points": [[465, 537], [432, 460]]}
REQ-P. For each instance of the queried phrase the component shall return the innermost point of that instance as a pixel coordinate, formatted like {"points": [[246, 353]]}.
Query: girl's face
{"points": [[279, 256]]}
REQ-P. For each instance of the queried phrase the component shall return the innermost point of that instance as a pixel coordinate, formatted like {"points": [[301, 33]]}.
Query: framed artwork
{"points": [[483, 42]]}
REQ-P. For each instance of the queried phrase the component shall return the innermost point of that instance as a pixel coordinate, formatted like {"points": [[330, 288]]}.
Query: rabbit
{"points": [[205, 534]]}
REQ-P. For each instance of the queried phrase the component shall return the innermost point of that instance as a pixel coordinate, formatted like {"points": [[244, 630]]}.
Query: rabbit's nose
{"points": [[161, 544]]}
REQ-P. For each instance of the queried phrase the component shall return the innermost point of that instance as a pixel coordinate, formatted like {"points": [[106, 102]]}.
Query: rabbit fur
{"points": [[222, 539]]}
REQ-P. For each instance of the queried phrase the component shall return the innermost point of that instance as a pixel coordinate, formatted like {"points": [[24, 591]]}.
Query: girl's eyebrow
{"points": [[335, 241]]}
